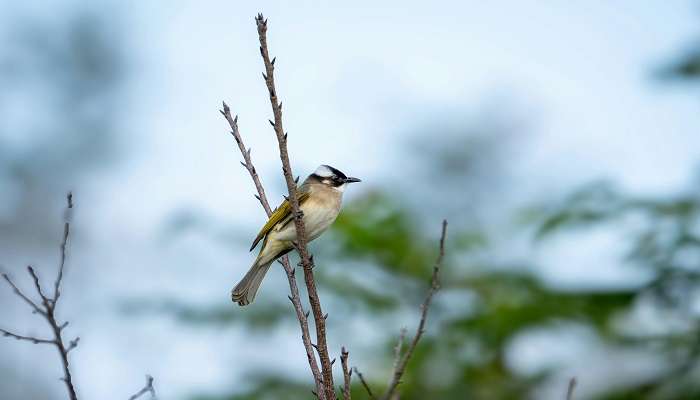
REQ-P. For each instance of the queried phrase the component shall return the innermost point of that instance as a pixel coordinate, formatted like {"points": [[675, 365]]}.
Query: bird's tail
{"points": [[244, 292]]}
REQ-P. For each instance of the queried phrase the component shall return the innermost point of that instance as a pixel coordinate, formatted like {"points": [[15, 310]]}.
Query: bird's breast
{"points": [[318, 217], [320, 211]]}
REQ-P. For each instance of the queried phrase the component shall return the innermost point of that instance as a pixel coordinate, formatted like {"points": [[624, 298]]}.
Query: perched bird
{"points": [[319, 197]]}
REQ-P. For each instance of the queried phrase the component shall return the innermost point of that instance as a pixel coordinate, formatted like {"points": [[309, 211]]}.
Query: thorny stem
{"points": [[301, 239]]}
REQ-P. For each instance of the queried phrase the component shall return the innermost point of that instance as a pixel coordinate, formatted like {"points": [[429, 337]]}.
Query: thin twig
{"points": [[27, 338], [570, 389], [301, 239], [22, 296], [434, 286], [397, 350], [247, 161], [66, 233], [364, 383], [347, 374], [295, 298], [148, 388], [35, 278]]}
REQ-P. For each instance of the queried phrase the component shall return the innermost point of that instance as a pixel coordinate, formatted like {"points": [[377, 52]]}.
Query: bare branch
{"points": [[347, 374], [400, 367], [364, 383], [306, 260], [570, 389], [27, 338], [21, 295], [148, 388], [48, 312], [66, 233], [45, 300], [295, 298]]}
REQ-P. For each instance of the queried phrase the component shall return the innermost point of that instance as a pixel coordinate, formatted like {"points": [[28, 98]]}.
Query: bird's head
{"points": [[327, 175]]}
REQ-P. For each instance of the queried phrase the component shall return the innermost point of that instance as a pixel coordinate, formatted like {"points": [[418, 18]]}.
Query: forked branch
{"points": [[148, 388], [47, 308]]}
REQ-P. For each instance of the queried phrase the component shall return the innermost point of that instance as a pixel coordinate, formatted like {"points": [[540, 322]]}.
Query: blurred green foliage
{"points": [[663, 238], [377, 262], [685, 68]]}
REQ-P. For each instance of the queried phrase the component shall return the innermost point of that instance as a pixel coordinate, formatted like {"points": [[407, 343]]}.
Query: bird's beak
{"points": [[352, 180]]}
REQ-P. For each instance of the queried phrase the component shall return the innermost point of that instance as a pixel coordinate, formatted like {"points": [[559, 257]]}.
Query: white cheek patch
{"points": [[323, 171], [341, 188]]}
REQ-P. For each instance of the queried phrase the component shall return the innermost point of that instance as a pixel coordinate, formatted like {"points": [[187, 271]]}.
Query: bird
{"points": [[320, 197]]}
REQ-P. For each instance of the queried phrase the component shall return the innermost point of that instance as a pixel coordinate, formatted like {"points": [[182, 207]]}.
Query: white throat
{"points": [[341, 188]]}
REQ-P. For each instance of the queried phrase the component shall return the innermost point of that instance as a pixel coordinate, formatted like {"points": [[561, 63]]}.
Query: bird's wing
{"points": [[281, 213]]}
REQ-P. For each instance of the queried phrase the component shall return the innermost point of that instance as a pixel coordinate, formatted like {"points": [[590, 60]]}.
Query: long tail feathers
{"points": [[244, 292]]}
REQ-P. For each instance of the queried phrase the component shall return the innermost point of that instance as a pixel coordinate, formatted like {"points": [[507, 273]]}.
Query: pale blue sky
{"points": [[353, 78]]}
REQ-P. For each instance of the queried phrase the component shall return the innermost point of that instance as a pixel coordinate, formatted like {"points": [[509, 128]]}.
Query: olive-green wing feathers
{"points": [[280, 214]]}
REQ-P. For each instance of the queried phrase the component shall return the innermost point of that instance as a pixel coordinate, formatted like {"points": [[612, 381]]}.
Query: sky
{"points": [[354, 78]]}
